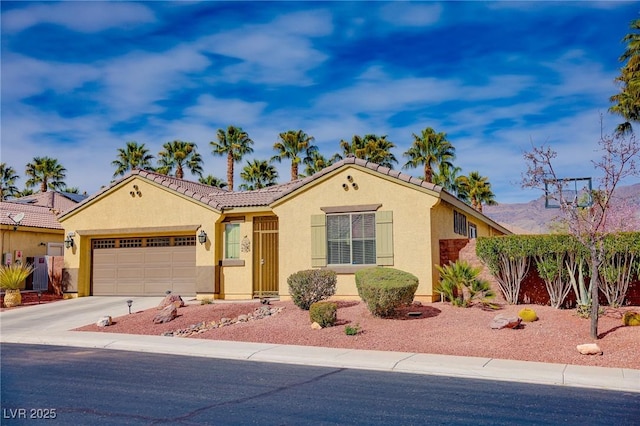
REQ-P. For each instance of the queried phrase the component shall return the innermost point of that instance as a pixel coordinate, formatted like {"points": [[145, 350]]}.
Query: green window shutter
{"points": [[318, 240], [384, 238]]}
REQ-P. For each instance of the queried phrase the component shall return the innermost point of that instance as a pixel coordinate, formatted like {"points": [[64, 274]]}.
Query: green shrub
{"points": [[528, 315], [631, 318], [459, 283], [324, 313], [385, 289], [351, 330], [310, 286]]}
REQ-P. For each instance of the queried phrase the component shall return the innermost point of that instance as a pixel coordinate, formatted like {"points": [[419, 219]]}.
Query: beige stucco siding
{"points": [[31, 241], [411, 224], [152, 210]]}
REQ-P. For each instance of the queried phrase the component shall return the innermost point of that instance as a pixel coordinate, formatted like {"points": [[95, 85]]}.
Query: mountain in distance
{"points": [[534, 218]]}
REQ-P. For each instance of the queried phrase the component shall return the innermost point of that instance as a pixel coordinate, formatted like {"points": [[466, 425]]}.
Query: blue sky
{"points": [[80, 79]]}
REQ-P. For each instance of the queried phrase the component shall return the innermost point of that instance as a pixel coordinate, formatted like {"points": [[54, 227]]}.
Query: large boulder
{"points": [[105, 321], [171, 299], [167, 314], [501, 321], [589, 349]]}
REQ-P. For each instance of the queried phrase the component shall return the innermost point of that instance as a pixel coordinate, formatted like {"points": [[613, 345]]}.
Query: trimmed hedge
{"points": [[310, 286], [385, 289], [324, 313]]}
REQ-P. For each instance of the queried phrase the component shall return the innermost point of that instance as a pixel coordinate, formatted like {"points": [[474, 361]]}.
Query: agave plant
{"points": [[12, 276], [460, 284]]}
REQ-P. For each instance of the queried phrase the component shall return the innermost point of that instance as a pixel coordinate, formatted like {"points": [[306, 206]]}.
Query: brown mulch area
{"points": [[30, 299], [440, 329]]}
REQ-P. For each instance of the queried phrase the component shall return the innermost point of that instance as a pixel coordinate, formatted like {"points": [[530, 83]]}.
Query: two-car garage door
{"points": [[144, 266]]}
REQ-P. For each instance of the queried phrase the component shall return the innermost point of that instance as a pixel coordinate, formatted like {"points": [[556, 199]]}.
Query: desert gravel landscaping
{"points": [[440, 329]]}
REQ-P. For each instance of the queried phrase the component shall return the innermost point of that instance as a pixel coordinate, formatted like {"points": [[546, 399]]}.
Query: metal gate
{"points": [[265, 256]]}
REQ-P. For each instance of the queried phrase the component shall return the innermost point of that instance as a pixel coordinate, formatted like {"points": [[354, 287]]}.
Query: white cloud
{"points": [[279, 52], [85, 17], [405, 14]]}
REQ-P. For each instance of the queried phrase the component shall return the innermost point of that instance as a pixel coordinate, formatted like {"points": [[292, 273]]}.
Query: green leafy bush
{"points": [[351, 330], [528, 315], [324, 313], [310, 286], [385, 289], [459, 283]]}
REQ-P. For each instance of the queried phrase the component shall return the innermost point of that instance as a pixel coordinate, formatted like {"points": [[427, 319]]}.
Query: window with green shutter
{"points": [[345, 239]]}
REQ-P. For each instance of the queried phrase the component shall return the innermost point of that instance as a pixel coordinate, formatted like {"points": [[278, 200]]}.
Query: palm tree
{"points": [[315, 162], [478, 189], [449, 178], [70, 189], [291, 144], [180, 155], [627, 102], [213, 181], [132, 157], [46, 172], [235, 144], [430, 149], [376, 149], [8, 179], [258, 174]]}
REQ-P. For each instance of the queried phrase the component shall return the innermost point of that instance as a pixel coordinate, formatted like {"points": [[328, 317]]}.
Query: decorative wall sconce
{"points": [[202, 237], [68, 243]]}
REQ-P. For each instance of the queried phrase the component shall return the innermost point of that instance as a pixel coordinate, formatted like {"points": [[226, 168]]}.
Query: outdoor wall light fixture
{"points": [[202, 237], [129, 303], [68, 243]]}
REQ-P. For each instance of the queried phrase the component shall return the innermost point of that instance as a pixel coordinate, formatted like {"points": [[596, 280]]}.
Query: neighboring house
{"points": [[29, 225], [148, 233]]}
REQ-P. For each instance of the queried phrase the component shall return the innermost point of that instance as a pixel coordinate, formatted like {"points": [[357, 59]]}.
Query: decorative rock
{"points": [[105, 321], [589, 349], [171, 299], [169, 313], [501, 321], [243, 318], [316, 326]]}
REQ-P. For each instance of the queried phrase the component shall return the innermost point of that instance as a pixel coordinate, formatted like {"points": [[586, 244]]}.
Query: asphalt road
{"points": [[79, 386]]}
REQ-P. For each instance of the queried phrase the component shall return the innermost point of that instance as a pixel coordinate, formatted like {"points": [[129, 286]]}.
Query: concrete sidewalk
{"points": [[49, 324]]}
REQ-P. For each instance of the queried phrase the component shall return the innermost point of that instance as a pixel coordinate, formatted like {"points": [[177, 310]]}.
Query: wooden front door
{"points": [[265, 256]]}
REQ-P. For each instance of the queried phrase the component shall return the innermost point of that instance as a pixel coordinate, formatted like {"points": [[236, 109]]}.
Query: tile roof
{"points": [[59, 201], [34, 215], [221, 199]]}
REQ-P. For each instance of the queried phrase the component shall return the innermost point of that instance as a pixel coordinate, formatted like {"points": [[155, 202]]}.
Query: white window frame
{"points": [[351, 241]]}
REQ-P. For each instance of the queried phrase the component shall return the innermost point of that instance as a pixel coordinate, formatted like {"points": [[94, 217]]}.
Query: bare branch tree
{"points": [[591, 223]]}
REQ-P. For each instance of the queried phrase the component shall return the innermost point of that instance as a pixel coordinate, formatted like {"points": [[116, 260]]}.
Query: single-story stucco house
{"points": [[147, 233]]}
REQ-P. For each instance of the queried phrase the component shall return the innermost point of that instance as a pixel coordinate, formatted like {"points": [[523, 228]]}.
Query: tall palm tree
{"points": [[132, 157], [258, 174], [8, 177], [449, 178], [292, 143], [315, 162], [213, 181], [46, 172], [180, 155], [370, 147], [478, 189], [430, 149], [627, 102], [235, 144]]}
